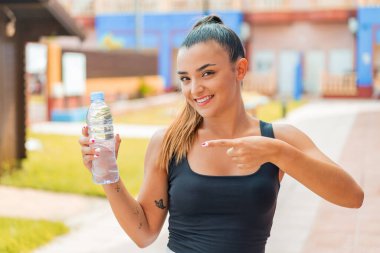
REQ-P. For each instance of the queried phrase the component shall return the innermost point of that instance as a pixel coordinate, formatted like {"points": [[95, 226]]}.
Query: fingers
{"points": [[117, 139], [88, 154], [237, 150], [87, 159], [232, 144], [220, 143], [84, 140], [86, 150], [117, 144], [85, 131]]}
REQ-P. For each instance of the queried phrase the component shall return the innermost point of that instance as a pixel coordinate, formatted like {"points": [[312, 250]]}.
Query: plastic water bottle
{"points": [[99, 120]]}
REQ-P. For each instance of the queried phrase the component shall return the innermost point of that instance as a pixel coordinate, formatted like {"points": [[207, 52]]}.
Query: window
{"points": [[340, 61], [263, 62]]}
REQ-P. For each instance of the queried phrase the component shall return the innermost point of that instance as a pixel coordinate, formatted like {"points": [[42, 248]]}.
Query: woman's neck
{"points": [[229, 125]]}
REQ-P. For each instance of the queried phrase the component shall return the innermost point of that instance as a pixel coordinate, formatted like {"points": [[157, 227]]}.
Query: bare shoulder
{"points": [[292, 135], [298, 139], [153, 150], [157, 138], [284, 131]]}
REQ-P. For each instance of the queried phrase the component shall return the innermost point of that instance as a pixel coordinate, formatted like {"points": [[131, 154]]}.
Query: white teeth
{"points": [[202, 100]]}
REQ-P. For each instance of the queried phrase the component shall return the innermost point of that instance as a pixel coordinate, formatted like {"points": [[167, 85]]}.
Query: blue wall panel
{"points": [[162, 31], [378, 37], [367, 19]]}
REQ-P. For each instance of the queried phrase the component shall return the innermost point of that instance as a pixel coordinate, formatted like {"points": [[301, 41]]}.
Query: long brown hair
{"points": [[182, 132], [180, 136]]}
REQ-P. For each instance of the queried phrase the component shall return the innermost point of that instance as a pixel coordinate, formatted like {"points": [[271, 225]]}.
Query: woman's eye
{"points": [[184, 78], [207, 73]]}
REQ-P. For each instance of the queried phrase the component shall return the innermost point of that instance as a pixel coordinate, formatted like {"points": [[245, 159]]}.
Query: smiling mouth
{"points": [[203, 100]]}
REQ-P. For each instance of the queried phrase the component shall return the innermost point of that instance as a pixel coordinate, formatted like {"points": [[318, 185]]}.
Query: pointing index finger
{"points": [[219, 143]]}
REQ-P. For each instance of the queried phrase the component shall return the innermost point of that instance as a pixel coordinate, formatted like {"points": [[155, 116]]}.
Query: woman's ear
{"points": [[241, 68]]}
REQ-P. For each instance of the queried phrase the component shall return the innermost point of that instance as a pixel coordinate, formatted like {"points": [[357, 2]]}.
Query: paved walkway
{"points": [[346, 130], [306, 224]]}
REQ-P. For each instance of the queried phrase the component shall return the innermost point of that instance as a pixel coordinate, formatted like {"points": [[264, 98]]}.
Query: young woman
{"points": [[216, 169]]}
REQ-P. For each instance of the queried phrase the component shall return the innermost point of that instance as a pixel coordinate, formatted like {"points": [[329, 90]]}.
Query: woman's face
{"points": [[209, 81]]}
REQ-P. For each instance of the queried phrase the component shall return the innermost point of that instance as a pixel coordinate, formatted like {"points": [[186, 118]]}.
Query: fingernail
{"points": [[205, 144], [97, 150], [96, 156], [92, 140]]}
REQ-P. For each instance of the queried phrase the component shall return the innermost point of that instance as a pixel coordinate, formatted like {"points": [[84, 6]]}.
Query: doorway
{"points": [[314, 68], [287, 77], [35, 79]]}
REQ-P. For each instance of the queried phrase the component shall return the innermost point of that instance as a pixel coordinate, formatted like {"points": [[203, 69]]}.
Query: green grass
{"points": [[274, 110], [152, 115], [24, 235], [58, 166]]}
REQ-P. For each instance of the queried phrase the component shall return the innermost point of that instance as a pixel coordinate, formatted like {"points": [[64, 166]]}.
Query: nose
{"points": [[196, 88]]}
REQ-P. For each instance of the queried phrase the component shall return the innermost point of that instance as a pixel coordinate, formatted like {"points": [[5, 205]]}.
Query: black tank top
{"points": [[217, 214]]}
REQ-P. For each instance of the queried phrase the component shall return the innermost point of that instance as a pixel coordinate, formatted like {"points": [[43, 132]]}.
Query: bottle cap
{"points": [[97, 95]]}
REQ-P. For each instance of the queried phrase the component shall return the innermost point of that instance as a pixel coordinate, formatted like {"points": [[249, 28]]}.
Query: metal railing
{"points": [[332, 85], [339, 85], [264, 84]]}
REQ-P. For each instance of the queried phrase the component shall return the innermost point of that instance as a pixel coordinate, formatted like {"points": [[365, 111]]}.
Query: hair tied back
{"points": [[211, 19]]}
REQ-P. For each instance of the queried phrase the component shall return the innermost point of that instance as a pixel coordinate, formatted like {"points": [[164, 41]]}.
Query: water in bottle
{"points": [[99, 120]]}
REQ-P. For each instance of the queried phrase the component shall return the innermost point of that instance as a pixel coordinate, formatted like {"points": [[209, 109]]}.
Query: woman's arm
{"points": [[141, 219], [300, 158], [295, 154]]}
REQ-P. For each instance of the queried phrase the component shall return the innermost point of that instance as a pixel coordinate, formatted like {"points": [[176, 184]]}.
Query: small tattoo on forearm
{"points": [[136, 211], [160, 204], [118, 188]]}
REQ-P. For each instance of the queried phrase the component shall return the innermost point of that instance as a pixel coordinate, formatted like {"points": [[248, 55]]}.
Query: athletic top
{"points": [[217, 214]]}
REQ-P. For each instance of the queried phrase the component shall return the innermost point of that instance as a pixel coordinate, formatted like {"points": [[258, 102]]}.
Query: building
{"points": [[151, 25], [303, 47], [22, 21], [310, 47], [368, 47]]}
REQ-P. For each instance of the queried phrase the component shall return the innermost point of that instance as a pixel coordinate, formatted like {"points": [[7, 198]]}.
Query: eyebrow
{"points": [[198, 69]]}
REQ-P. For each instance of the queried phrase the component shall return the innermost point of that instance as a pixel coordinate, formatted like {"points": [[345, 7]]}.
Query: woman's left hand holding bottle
{"points": [[88, 153]]}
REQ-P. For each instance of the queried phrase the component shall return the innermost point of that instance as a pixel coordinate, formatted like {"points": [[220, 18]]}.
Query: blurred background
{"points": [[309, 58]]}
